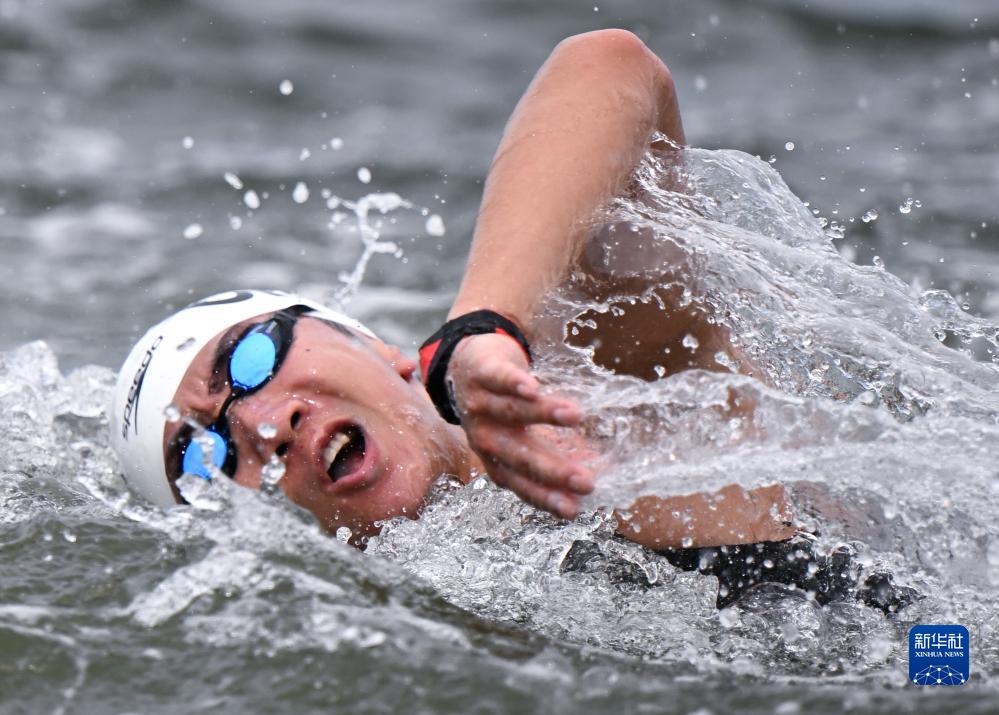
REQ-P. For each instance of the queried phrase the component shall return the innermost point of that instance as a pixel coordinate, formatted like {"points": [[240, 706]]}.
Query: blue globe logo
{"points": [[938, 675]]}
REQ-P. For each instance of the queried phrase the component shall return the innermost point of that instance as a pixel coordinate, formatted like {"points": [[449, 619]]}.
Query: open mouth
{"points": [[344, 456]]}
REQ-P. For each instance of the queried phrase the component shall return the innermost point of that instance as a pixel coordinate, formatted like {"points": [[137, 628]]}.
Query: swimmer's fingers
{"points": [[530, 454], [504, 417], [493, 381], [551, 500], [494, 363], [506, 375], [480, 404]]}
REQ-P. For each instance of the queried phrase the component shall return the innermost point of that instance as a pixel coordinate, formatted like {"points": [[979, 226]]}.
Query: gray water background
{"points": [[108, 607]]}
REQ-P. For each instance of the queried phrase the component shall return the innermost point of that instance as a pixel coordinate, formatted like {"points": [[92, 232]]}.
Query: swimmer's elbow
{"points": [[606, 44], [619, 52]]}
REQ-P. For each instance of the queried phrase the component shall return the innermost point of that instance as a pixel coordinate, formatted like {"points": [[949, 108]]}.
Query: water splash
{"points": [[251, 199], [875, 405]]}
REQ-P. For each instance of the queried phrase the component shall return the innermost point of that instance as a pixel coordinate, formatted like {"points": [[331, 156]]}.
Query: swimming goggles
{"points": [[255, 358]]}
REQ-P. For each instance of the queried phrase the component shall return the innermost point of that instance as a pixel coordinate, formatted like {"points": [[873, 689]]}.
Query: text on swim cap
{"points": [[135, 390]]}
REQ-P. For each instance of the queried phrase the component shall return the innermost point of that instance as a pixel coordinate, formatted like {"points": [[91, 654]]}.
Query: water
{"points": [[125, 127]]}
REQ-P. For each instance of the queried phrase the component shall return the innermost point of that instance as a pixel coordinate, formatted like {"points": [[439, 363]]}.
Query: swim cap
{"points": [[154, 368]]}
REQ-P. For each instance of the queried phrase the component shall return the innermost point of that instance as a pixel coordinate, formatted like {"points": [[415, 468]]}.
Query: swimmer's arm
{"points": [[570, 145], [731, 515]]}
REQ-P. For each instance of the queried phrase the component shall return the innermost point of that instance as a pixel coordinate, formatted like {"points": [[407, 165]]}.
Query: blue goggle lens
{"points": [[253, 360], [194, 458]]}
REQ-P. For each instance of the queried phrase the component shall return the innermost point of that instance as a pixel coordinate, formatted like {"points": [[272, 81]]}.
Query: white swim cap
{"points": [[154, 368]]}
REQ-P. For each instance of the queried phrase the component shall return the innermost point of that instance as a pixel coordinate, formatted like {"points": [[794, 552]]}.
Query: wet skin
{"points": [[330, 381]]}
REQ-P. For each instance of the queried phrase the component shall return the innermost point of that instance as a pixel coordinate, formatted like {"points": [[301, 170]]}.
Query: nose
{"points": [[268, 422]]}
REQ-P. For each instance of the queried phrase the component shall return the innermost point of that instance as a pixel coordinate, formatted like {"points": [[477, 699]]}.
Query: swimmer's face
{"points": [[334, 387]]}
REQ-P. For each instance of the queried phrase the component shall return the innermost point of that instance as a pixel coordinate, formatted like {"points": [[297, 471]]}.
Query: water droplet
{"points": [[878, 262], [364, 175], [700, 83], [251, 199], [267, 430], [336, 143], [233, 180], [235, 223], [187, 142], [193, 231], [304, 154], [343, 534], [171, 413], [69, 536], [272, 472], [660, 370], [686, 542], [286, 87], [300, 194], [789, 146], [690, 342], [207, 445], [435, 225], [727, 617], [722, 358], [906, 207], [869, 215]]}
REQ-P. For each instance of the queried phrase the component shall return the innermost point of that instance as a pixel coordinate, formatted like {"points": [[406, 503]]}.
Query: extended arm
{"points": [[570, 145]]}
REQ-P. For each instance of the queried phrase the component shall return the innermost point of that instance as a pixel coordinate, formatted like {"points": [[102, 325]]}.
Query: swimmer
{"points": [[272, 377]]}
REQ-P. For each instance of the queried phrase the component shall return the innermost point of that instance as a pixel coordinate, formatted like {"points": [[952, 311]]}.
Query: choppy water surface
{"points": [[876, 389]]}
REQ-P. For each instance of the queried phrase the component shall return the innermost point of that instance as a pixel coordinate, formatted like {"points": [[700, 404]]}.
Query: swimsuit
{"points": [[793, 562]]}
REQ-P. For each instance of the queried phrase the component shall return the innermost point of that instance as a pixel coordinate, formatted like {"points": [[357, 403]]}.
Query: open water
{"points": [[841, 219]]}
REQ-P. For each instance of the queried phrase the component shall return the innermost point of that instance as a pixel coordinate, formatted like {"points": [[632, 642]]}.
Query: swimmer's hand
{"points": [[505, 419]]}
